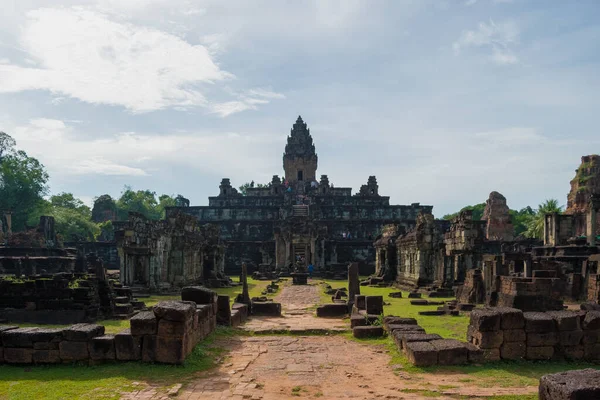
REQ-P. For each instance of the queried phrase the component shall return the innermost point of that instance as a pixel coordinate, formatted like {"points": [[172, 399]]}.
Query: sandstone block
{"points": [[485, 319], [570, 353], [487, 340], [173, 310], [571, 385], [405, 328], [474, 354], [367, 331], [542, 339], [591, 337], [127, 346], [513, 351], [170, 350], [511, 318], [14, 355], [46, 356], [539, 353], [143, 323], [82, 332], [390, 319], [149, 344], [357, 320], [21, 337], [102, 348], [270, 308], [591, 320], [414, 295], [199, 295], [570, 338], [538, 322], [73, 351], [565, 320], [514, 335], [172, 328], [421, 354], [332, 310], [418, 337], [591, 352], [450, 351], [374, 304], [491, 355], [45, 345], [359, 302], [223, 310]]}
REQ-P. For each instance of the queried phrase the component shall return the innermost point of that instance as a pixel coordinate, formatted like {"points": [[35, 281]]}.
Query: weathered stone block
{"points": [[46, 356], [571, 385], [414, 295], [404, 328], [487, 340], [21, 337], [4, 328], [102, 348], [199, 295], [367, 331], [127, 346], [513, 351], [332, 310], [421, 354], [149, 344], [485, 320], [172, 328], [374, 304], [143, 323], [395, 295], [539, 353], [173, 310], [42, 335], [542, 339], [419, 302], [390, 319], [204, 310], [357, 320], [565, 320], [538, 322], [450, 351], [82, 332], [223, 310], [514, 335], [14, 355], [591, 352], [570, 338], [418, 337], [73, 351], [570, 353], [170, 350], [242, 308], [267, 308], [511, 318], [591, 337], [359, 302], [474, 354], [45, 345], [591, 320], [491, 355]]}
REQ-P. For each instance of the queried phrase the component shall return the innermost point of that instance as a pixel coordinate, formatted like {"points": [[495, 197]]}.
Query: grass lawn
{"points": [[107, 381]]}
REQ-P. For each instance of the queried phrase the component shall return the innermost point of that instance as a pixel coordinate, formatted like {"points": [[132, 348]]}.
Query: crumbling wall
{"points": [[584, 185], [497, 216]]}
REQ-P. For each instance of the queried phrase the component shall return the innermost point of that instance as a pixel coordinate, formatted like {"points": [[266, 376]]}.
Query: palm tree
{"points": [[535, 224]]}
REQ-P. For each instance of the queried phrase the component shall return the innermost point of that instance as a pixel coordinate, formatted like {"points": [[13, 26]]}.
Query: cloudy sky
{"points": [[444, 101]]}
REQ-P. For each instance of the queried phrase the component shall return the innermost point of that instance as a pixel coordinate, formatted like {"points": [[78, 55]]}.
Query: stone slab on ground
{"points": [[571, 385]]}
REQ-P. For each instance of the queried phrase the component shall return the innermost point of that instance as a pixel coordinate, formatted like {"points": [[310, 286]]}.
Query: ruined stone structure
{"points": [[299, 219], [584, 186], [497, 216], [170, 253]]}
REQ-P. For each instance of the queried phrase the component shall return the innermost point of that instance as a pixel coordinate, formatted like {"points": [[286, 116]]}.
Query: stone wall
{"points": [[511, 334], [473, 290], [528, 294], [167, 334], [106, 251], [497, 216], [59, 299]]}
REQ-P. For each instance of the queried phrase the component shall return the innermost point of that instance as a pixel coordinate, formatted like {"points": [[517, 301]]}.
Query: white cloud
{"points": [[247, 101], [85, 55], [499, 38]]}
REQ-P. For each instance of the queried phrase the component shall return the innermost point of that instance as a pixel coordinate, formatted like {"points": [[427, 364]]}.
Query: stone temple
{"points": [[301, 217]]}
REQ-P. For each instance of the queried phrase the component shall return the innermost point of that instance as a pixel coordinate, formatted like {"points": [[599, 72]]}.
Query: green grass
{"points": [[446, 326], [107, 381]]}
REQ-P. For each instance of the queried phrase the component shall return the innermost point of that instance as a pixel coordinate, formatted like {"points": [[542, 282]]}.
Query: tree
{"points": [[144, 202], [477, 212], [535, 223], [520, 219], [23, 183], [251, 185]]}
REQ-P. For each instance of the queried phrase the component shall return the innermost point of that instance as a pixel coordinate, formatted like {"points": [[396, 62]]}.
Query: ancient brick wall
{"points": [[106, 251], [511, 334], [167, 334], [529, 294]]}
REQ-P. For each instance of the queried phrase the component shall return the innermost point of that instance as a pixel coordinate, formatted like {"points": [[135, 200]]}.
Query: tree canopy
{"points": [[251, 185]]}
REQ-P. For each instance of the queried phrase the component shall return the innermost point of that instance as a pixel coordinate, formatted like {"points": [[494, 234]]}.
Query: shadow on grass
{"points": [[106, 381]]}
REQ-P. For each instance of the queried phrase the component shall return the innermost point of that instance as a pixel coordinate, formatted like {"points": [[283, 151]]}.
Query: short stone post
{"points": [[245, 293], [353, 283]]}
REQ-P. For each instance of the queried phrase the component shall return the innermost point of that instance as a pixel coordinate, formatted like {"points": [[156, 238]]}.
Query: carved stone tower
{"points": [[300, 159]]}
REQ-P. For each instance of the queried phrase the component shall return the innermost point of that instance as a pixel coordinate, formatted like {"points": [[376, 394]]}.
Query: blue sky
{"points": [[444, 101]]}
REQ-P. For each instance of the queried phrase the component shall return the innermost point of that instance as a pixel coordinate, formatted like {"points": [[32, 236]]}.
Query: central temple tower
{"points": [[299, 158]]}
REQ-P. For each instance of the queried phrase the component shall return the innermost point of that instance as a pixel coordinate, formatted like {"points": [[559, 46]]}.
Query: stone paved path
{"points": [[298, 304]]}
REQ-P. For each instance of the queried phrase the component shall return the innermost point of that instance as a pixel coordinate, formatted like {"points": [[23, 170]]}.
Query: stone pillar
{"points": [[528, 269], [245, 293], [8, 217], [591, 225], [353, 283]]}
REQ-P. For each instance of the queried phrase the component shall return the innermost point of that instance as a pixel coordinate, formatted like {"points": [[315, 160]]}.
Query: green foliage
{"points": [[107, 232], [144, 202], [251, 185], [535, 223], [520, 219], [477, 212], [23, 183]]}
